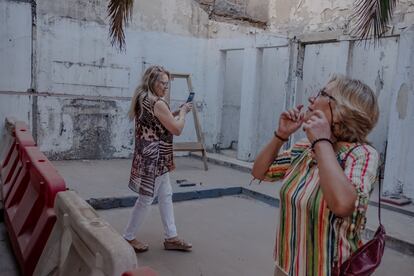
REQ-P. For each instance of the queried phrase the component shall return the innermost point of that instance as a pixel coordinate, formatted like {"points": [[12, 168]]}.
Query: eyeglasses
{"points": [[322, 93], [165, 83]]}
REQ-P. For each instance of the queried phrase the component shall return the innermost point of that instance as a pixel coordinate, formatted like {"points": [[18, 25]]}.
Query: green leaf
{"points": [[119, 12]]}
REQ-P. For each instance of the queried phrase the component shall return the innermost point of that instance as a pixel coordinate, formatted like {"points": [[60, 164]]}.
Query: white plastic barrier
{"points": [[7, 138], [6, 141], [82, 243]]}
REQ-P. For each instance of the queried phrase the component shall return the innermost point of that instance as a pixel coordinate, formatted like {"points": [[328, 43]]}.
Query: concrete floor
{"points": [[8, 264], [231, 236]]}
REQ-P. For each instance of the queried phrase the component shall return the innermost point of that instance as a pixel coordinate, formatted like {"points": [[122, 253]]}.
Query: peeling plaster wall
{"points": [[76, 59], [309, 15], [76, 65], [304, 16], [399, 173], [76, 128], [180, 17], [250, 10]]}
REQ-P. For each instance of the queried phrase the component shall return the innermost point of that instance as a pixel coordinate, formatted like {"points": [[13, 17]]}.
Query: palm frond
{"points": [[119, 12], [372, 17]]}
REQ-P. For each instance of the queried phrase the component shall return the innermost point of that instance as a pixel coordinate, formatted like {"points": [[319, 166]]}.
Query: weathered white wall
{"points": [[399, 173], [15, 60], [230, 118], [15, 46], [272, 92], [254, 10], [376, 67], [298, 17], [17, 106], [85, 85], [181, 17], [91, 82], [320, 62], [373, 65], [254, 51]]}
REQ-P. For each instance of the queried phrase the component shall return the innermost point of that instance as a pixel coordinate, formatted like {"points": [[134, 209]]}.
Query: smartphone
{"points": [[190, 97]]}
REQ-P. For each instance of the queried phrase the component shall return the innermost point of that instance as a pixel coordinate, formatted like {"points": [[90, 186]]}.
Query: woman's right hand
{"points": [[290, 121]]}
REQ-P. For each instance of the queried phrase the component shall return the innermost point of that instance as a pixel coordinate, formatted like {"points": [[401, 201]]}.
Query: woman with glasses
{"points": [[326, 179], [155, 126]]}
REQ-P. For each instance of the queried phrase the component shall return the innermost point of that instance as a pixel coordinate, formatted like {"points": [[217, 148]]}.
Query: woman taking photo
{"points": [[155, 126], [326, 179]]}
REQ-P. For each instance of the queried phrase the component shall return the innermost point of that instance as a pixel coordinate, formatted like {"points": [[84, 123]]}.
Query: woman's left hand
{"points": [[317, 126], [187, 107]]}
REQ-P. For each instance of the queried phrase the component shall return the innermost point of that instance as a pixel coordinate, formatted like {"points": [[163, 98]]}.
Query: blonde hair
{"points": [[356, 109], [146, 86]]}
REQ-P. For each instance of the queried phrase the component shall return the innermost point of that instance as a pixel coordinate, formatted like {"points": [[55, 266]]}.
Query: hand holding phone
{"points": [[190, 97]]}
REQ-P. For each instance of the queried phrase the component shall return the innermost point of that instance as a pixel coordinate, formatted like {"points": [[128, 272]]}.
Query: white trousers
{"points": [[163, 190]]}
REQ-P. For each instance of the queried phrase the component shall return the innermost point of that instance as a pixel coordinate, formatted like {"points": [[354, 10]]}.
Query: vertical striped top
{"points": [[309, 236]]}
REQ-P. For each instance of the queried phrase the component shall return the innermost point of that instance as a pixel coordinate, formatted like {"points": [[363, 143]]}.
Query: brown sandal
{"points": [[138, 246], [177, 244]]}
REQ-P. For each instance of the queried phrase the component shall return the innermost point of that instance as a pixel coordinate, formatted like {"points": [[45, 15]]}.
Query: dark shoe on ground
{"points": [[138, 246], [177, 244]]}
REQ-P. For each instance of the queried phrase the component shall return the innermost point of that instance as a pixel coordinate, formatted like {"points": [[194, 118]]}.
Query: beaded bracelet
{"points": [[320, 140], [279, 137]]}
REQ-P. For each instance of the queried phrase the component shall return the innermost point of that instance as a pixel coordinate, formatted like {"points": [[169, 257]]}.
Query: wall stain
{"points": [[379, 82], [402, 101], [93, 123]]}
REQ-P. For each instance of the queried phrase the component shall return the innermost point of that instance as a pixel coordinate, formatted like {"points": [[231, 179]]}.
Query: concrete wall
{"points": [[83, 85], [253, 10], [399, 173], [181, 17], [304, 16], [230, 118], [15, 61], [272, 92], [77, 64], [374, 66]]}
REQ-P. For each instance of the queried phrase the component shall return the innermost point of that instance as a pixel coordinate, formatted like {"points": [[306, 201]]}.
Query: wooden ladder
{"points": [[192, 146]]}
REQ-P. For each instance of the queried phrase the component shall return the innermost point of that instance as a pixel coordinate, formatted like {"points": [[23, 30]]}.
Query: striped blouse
{"points": [[309, 236]]}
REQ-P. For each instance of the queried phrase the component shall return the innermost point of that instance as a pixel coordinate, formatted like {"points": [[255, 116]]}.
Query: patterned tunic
{"points": [[153, 155], [310, 237]]}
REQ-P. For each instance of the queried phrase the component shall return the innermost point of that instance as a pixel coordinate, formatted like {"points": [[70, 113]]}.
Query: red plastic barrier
{"points": [[29, 213], [12, 165], [142, 271]]}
